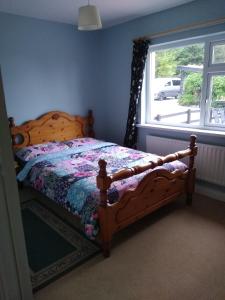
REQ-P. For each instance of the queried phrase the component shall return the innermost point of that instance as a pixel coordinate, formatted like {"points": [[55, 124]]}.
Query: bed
{"points": [[107, 186]]}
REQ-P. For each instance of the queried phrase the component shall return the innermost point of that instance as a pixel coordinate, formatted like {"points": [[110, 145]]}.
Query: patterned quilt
{"points": [[69, 176]]}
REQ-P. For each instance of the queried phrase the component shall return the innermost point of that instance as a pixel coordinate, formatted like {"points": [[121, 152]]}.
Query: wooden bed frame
{"points": [[156, 189]]}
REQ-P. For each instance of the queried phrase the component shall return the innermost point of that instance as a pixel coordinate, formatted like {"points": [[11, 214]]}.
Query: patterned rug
{"points": [[53, 246]]}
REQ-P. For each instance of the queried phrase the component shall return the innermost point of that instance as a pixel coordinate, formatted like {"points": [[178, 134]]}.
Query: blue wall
{"points": [[46, 66], [116, 58]]}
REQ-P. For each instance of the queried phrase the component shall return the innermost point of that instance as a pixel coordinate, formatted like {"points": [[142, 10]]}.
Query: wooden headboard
{"points": [[52, 126]]}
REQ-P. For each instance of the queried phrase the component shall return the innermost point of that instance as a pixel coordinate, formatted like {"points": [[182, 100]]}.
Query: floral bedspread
{"points": [[69, 177]]}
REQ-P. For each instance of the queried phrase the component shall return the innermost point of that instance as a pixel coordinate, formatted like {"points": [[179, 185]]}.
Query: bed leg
{"points": [[190, 187], [106, 247], [191, 170], [103, 183], [189, 199], [20, 185]]}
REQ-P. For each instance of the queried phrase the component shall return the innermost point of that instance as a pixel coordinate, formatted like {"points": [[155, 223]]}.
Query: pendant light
{"points": [[89, 18]]}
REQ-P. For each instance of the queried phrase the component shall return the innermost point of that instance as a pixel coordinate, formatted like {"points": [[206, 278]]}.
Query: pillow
{"points": [[80, 142], [30, 152]]}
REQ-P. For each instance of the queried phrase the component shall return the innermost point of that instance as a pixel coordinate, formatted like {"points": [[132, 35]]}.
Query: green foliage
{"points": [[165, 63], [168, 60], [188, 99], [192, 90], [218, 91], [193, 84], [190, 55]]}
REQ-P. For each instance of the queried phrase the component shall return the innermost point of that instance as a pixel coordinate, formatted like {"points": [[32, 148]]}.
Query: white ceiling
{"points": [[112, 11]]}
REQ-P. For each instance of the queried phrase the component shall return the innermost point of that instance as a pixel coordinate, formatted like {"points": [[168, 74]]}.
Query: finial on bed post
{"points": [[191, 169], [90, 130], [11, 126], [103, 182], [11, 122]]}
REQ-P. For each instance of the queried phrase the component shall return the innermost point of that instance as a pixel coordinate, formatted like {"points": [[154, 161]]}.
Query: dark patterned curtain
{"points": [[140, 51]]}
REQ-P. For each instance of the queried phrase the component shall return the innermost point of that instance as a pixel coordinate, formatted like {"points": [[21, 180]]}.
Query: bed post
{"points": [[11, 122], [90, 123], [103, 183], [191, 170], [11, 125]]}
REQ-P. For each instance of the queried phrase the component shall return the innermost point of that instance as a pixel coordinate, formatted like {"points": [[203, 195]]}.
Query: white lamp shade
{"points": [[89, 18]]}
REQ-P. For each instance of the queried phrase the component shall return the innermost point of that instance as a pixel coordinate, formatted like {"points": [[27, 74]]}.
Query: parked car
{"points": [[166, 87]]}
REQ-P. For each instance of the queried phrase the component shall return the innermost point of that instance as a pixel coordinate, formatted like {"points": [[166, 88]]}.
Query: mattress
{"points": [[68, 176]]}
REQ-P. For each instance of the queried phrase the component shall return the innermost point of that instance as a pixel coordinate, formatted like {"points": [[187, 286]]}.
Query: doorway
{"points": [[14, 272]]}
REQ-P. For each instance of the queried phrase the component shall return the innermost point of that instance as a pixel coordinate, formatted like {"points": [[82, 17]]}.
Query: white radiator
{"points": [[210, 161]]}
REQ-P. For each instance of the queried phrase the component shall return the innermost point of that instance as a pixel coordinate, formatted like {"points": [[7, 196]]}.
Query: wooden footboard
{"points": [[156, 189]]}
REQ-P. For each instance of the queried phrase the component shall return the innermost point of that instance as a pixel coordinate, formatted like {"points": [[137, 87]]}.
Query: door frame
{"points": [[14, 272]]}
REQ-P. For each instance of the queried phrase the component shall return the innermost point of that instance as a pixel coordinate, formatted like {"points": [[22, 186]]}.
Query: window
{"points": [[218, 56], [185, 83], [176, 82]]}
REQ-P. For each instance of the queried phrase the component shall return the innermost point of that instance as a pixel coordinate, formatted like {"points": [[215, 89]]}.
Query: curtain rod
{"points": [[182, 29]]}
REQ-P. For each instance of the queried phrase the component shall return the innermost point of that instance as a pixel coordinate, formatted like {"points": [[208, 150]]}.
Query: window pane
{"points": [[176, 82], [216, 110], [218, 55], [176, 85]]}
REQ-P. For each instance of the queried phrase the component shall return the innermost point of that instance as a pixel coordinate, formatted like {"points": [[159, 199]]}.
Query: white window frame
{"points": [[209, 70]]}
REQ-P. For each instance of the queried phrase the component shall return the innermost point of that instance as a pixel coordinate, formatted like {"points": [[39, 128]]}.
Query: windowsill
{"points": [[208, 132]]}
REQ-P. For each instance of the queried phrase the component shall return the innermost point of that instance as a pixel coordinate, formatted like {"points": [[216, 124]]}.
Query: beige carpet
{"points": [[177, 253]]}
